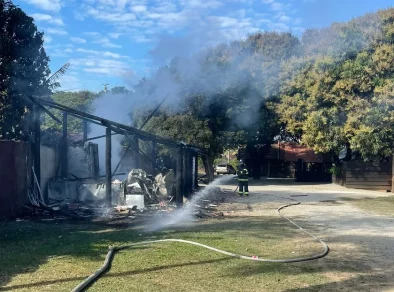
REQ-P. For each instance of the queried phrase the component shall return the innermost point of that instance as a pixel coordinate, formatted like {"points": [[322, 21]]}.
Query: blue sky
{"points": [[119, 41]]}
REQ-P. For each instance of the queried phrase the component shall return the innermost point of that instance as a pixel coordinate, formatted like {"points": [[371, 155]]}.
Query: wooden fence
{"points": [[367, 175], [15, 170]]}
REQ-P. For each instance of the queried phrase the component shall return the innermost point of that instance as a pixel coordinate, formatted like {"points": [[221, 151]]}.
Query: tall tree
{"points": [[341, 92], [23, 70]]}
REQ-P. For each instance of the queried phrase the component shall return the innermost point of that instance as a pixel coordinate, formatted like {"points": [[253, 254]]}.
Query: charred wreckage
{"points": [[70, 195]]}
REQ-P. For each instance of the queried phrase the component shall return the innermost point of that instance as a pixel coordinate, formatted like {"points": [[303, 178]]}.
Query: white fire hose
{"points": [[112, 250]]}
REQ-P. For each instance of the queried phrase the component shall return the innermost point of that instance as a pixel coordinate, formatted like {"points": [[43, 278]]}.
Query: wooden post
{"points": [[185, 185], [190, 170], [136, 151], [108, 149], [196, 172], [37, 144], [153, 155], [64, 147], [85, 131], [179, 177], [392, 174]]}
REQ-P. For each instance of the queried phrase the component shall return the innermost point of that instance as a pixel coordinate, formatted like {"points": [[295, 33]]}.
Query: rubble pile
{"points": [[139, 196], [206, 206]]}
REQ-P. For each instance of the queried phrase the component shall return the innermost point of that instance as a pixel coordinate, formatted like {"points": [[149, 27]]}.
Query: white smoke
{"points": [[186, 214], [112, 107]]}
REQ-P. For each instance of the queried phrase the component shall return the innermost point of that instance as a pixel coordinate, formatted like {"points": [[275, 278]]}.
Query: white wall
{"points": [[48, 165]]}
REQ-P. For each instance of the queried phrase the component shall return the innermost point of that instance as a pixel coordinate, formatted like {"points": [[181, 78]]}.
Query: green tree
{"points": [[23, 70], [81, 100], [343, 95]]}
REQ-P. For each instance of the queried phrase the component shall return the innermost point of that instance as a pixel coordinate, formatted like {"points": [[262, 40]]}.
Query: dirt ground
{"points": [[361, 242]]}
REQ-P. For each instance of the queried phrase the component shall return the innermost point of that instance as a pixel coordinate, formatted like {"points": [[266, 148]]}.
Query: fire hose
{"points": [[113, 249]]}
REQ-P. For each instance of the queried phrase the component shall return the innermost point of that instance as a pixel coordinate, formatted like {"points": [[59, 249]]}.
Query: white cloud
{"points": [[59, 53], [100, 65], [297, 21], [78, 40], [106, 43], [277, 6], [39, 17], [201, 4], [70, 81], [56, 31], [47, 39], [112, 17], [59, 46], [138, 8], [278, 26], [101, 40], [114, 35], [49, 5], [199, 22], [101, 53], [284, 18]]}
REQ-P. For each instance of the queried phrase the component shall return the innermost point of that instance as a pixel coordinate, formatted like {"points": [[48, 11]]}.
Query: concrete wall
{"points": [[90, 193], [83, 160], [15, 171], [49, 165]]}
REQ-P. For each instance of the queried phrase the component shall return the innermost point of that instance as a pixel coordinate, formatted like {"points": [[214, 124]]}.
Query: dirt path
{"points": [[361, 243]]}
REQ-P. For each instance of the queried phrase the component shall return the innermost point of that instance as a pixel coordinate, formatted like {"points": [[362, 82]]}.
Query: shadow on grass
{"points": [[25, 246], [355, 271], [112, 275]]}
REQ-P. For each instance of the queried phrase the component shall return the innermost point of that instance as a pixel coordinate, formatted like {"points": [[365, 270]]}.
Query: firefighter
{"points": [[243, 178]]}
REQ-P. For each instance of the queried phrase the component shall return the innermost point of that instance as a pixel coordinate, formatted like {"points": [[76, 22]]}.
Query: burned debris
{"points": [[67, 184]]}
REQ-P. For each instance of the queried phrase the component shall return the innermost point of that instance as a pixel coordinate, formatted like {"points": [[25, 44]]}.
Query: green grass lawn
{"points": [[380, 205], [56, 257]]}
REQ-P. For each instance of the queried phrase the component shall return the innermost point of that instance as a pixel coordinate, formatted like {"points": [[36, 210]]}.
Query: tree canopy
{"points": [[343, 94], [23, 70], [329, 89]]}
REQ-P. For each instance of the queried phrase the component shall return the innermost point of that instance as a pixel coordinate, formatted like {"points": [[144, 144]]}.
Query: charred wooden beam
{"points": [[37, 143], [64, 152], [76, 178], [179, 177], [85, 130], [190, 171], [101, 136], [154, 155], [135, 147], [41, 107], [108, 185], [184, 173], [195, 171], [153, 112], [129, 129]]}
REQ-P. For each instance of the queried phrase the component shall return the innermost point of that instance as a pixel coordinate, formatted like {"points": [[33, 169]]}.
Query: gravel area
{"points": [[360, 242]]}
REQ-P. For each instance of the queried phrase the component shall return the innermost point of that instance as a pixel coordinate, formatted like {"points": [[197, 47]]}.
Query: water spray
{"points": [[113, 249]]}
